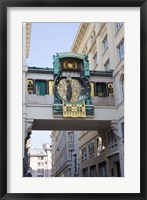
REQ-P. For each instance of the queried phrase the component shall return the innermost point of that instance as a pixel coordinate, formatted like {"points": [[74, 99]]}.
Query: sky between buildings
{"points": [[47, 39], [38, 138]]}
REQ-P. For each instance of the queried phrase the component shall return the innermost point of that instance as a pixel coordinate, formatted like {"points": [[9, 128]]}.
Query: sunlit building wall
{"points": [[102, 152]]}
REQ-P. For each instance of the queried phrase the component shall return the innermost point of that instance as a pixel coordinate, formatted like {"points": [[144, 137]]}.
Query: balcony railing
{"points": [[112, 146]]}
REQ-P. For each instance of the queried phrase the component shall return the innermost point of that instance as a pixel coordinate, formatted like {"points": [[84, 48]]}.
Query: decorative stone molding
{"points": [[79, 37], [28, 35]]}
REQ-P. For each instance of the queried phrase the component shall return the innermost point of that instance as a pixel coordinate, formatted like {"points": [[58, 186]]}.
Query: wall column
{"points": [[114, 128], [27, 145]]}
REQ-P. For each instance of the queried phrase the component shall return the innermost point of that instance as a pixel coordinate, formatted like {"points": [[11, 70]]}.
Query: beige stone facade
{"points": [[101, 146], [65, 154], [102, 151]]}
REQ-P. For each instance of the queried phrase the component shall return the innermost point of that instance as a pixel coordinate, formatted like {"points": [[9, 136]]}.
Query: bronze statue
{"points": [[69, 92]]}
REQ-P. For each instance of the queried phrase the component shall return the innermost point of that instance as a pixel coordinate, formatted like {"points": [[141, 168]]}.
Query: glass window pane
{"points": [[40, 87]]}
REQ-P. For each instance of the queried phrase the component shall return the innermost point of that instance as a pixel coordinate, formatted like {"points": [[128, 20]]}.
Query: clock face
{"points": [[70, 91], [69, 64]]}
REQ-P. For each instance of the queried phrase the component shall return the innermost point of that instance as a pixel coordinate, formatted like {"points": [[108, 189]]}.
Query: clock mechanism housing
{"points": [[71, 85]]}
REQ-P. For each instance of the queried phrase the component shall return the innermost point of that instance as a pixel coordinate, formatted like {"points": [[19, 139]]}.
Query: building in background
{"points": [[40, 161], [47, 149], [102, 151], [65, 154]]}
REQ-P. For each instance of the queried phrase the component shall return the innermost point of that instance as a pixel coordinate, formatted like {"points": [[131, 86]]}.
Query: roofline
{"points": [[50, 71], [79, 36]]}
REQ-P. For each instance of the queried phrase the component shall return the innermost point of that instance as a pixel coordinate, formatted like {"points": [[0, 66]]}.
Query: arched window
{"points": [[122, 86]]}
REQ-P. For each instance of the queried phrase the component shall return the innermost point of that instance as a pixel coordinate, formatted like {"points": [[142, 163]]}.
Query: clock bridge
{"points": [[69, 96]]}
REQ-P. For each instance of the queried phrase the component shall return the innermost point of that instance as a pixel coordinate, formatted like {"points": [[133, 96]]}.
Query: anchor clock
{"points": [[71, 85]]}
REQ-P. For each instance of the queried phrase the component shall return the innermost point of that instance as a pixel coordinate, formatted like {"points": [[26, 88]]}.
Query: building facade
{"points": [[102, 152], [65, 154], [40, 162], [99, 51]]}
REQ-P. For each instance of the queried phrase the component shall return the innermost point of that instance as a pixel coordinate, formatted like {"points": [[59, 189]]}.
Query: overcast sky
{"points": [[47, 39]]}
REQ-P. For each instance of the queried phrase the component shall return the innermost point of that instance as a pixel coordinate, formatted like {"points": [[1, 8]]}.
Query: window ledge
{"points": [[120, 61], [105, 51], [118, 31]]}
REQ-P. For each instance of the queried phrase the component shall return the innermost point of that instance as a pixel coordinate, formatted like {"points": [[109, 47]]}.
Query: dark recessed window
{"points": [[93, 171], [40, 87], [101, 89], [102, 169], [120, 50], [105, 44]]}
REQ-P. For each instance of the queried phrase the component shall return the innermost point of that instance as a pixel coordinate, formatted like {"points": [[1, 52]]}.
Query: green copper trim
{"points": [[72, 54]]}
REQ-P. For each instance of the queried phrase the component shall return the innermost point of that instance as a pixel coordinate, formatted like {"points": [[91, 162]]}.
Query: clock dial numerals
{"points": [[76, 89]]}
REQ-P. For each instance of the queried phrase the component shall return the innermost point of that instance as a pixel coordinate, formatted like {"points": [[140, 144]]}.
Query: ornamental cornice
{"points": [[79, 37], [28, 36]]}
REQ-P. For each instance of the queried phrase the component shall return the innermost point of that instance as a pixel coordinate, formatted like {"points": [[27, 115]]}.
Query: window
{"points": [[102, 169], [38, 163], [111, 137], [70, 136], [70, 153], [117, 169], [93, 171], [85, 172], [118, 26], [101, 89], [42, 171], [120, 51], [105, 44], [122, 130], [122, 86], [40, 87], [94, 33], [107, 65], [40, 158], [91, 149], [69, 172], [95, 59], [39, 175], [84, 154]]}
